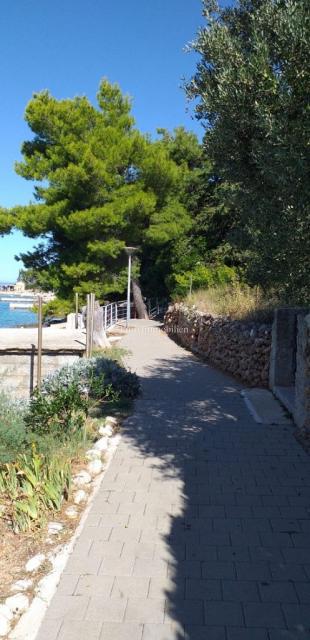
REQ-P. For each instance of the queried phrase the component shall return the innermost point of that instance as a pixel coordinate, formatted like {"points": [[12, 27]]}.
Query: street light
{"points": [[130, 252]]}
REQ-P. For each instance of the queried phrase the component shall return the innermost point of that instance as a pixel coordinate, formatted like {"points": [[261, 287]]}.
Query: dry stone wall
{"points": [[239, 348]]}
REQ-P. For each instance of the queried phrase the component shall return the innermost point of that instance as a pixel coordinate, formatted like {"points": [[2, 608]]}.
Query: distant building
{"points": [[19, 287]]}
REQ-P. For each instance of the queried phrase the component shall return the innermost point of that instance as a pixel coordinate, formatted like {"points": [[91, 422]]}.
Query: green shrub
{"points": [[58, 308], [202, 277], [13, 433], [61, 405], [31, 487]]}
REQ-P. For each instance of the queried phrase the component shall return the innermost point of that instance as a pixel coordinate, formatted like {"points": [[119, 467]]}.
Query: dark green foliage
{"points": [[253, 86], [101, 185]]}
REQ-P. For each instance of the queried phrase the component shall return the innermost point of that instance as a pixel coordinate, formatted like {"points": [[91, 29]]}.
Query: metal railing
{"points": [[113, 313]]}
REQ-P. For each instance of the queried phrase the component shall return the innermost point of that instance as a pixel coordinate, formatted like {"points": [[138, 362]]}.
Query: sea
{"points": [[15, 317]]}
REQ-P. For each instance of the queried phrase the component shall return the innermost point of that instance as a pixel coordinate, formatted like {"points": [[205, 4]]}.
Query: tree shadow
{"points": [[184, 424]]}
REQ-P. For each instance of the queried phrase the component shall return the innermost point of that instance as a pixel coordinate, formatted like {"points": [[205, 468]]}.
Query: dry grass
{"points": [[239, 302]]}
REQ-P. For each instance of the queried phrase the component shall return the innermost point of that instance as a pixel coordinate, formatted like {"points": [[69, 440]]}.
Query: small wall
{"points": [[18, 368], [239, 348]]}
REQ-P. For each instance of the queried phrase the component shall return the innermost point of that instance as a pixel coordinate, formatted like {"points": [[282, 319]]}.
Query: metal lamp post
{"points": [[130, 251]]}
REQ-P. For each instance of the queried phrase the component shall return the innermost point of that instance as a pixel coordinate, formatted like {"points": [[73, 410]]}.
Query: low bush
{"points": [[31, 487], [62, 403], [236, 301], [13, 432]]}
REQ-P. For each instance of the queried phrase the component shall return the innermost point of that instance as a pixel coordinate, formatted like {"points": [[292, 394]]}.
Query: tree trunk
{"points": [[139, 302]]}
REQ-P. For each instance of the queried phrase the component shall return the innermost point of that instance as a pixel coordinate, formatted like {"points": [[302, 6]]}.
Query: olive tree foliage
{"points": [[100, 185], [253, 88]]}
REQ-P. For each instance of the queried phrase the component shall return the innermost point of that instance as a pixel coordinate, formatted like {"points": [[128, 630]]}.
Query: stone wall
{"points": [[239, 348], [18, 368]]}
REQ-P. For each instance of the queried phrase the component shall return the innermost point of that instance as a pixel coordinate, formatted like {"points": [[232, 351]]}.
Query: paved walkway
{"points": [[201, 528]]}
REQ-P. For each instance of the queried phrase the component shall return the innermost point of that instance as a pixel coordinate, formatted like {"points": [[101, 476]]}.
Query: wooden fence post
{"points": [[39, 355]]}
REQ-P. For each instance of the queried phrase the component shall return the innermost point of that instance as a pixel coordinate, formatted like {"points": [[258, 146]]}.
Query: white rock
{"points": [[94, 467], [54, 528], [80, 496], [21, 585], [71, 512], [35, 562], [46, 587], [101, 444], [81, 479], [111, 422], [5, 612], [17, 604], [4, 625], [106, 431], [92, 454], [115, 440]]}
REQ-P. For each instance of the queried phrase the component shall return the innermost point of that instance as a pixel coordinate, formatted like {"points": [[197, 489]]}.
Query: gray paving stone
{"points": [[238, 633], [49, 629], [120, 631], [303, 591], [79, 630], [227, 554], [189, 612], [224, 613], [277, 592], [162, 586], [213, 570], [116, 566], [125, 534], [185, 568], [106, 609], [130, 586], [284, 571], [202, 589], [297, 615], [240, 591], [252, 571], [144, 550], [64, 607], [150, 568], [162, 632], [204, 633], [265, 615], [145, 610], [67, 585], [288, 634], [94, 585]]}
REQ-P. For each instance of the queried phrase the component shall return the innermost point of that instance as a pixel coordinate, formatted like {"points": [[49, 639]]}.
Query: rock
{"points": [[17, 604], [81, 479], [4, 624], [80, 496], [101, 444], [54, 528], [46, 587], [106, 431], [94, 467], [92, 454], [5, 612], [21, 585], [35, 562], [110, 421], [71, 512]]}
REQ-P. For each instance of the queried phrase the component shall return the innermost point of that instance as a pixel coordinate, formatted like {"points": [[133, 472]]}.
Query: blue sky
{"points": [[66, 46]]}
